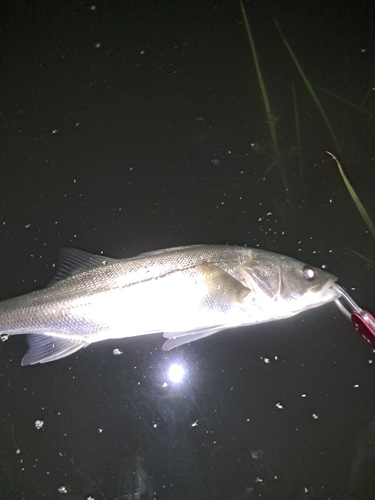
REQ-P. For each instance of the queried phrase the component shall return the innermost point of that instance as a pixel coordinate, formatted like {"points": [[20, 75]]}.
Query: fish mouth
{"points": [[331, 291], [327, 286]]}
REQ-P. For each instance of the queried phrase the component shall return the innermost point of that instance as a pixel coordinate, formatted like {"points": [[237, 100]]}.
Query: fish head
{"points": [[288, 285]]}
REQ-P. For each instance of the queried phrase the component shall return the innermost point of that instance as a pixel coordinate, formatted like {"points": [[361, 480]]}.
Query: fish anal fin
{"points": [[45, 348]]}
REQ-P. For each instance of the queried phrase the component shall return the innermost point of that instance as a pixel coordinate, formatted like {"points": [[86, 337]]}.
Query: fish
{"points": [[186, 293]]}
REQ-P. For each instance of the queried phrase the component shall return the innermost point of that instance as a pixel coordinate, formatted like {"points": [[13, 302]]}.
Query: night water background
{"points": [[132, 126]]}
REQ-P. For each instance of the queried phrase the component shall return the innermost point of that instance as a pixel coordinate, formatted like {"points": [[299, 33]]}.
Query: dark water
{"points": [[131, 126]]}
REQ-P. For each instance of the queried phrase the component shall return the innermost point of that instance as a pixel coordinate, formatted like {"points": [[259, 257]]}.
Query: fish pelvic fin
{"points": [[180, 338]]}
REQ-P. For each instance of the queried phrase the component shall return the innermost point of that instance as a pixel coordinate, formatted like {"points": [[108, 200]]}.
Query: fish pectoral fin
{"points": [[177, 339], [45, 348], [222, 285]]}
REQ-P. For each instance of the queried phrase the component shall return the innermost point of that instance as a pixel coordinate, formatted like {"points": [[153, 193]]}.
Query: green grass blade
{"points": [[351, 104], [355, 198], [362, 256], [296, 124], [310, 89], [256, 62], [270, 117]]}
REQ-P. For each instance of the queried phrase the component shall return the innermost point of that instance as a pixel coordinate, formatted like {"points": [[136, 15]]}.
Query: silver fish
{"points": [[186, 293]]}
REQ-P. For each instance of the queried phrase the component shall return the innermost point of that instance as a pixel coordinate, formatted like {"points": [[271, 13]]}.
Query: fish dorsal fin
{"points": [[164, 251], [71, 261]]}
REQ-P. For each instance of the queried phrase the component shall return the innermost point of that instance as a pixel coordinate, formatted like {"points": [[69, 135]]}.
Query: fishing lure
{"points": [[362, 320]]}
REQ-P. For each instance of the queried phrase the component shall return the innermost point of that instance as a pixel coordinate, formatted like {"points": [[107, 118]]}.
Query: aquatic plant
{"points": [[272, 119], [355, 198]]}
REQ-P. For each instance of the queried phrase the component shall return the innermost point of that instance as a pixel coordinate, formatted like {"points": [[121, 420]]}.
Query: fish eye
{"points": [[308, 272]]}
